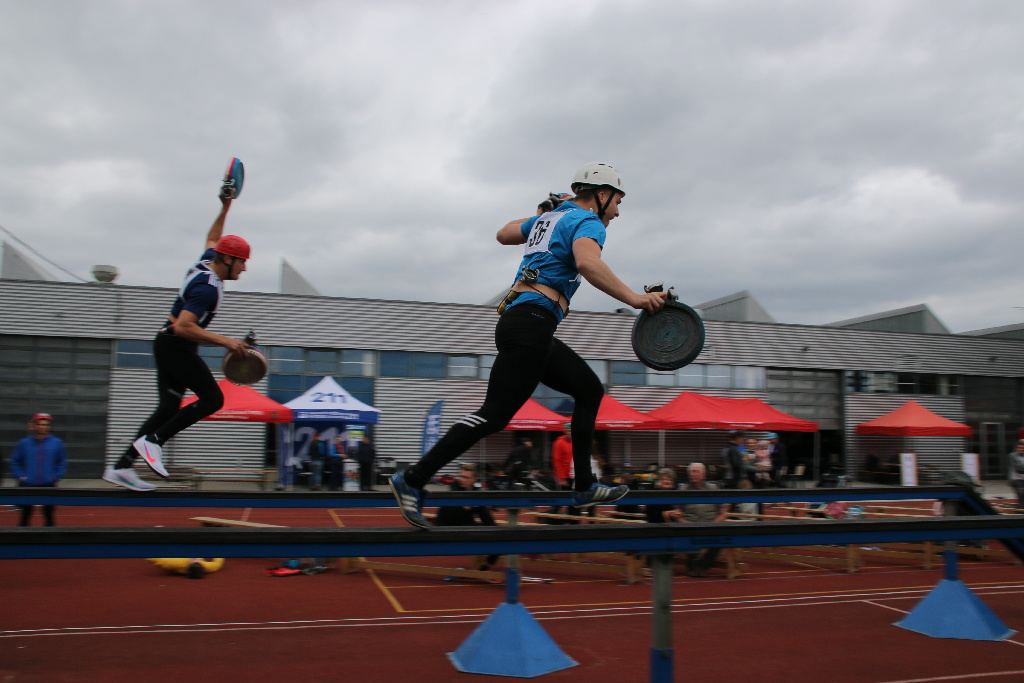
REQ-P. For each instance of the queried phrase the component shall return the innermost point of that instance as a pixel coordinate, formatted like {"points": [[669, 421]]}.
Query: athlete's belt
{"points": [[550, 292]]}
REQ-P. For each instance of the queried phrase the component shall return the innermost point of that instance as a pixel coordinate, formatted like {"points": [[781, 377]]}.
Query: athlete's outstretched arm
{"points": [[588, 261], [512, 233], [217, 229]]}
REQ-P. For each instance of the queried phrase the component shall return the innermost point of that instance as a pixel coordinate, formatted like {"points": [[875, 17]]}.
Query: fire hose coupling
{"points": [[660, 287]]}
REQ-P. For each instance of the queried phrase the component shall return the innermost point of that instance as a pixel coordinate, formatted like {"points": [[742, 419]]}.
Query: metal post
{"points": [[817, 456], [662, 653], [950, 558], [512, 564]]}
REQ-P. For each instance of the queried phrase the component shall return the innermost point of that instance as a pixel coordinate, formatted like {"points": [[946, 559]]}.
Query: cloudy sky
{"points": [[836, 158]]}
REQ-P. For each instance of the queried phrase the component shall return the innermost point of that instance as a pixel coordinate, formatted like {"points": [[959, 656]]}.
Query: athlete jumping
{"points": [[563, 246], [176, 348]]}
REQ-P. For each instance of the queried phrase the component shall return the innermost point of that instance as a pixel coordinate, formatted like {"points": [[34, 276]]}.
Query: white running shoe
{"points": [[152, 454], [128, 479]]}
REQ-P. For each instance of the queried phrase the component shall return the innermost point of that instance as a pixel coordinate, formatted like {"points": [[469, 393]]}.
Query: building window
{"points": [[431, 365], [321, 362], [748, 377], [656, 378], [361, 388], [394, 363], [718, 376], [691, 376], [486, 363], [410, 364], [285, 383], [286, 359], [356, 363], [463, 366], [134, 353], [903, 383], [628, 372]]}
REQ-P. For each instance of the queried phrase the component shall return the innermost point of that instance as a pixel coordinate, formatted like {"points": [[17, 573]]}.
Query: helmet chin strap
{"points": [[602, 208], [229, 266]]}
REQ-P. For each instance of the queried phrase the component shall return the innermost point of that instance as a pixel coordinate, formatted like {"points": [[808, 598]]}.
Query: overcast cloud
{"points": [[835, 158]]}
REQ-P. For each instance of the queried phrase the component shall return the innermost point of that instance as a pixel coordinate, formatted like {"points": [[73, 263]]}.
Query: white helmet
{"points": [[597, 174]]}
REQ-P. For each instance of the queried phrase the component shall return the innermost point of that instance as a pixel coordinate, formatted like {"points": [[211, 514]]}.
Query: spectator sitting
{"points": [[659, 513], [698, 563], [477, 515]]}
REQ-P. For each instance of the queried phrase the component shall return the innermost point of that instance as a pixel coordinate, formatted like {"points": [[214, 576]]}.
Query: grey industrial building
{"points": [[81, 352]]}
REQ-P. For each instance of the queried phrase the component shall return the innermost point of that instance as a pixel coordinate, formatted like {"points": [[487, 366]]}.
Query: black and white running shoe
{"points": [[410, 500], [598, 494]]}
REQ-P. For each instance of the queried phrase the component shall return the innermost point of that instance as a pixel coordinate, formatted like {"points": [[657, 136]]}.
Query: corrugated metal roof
{"points": [[114, 311]]}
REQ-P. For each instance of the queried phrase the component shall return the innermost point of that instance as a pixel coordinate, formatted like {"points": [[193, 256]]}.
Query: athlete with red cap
{"points": [[176, 348]]}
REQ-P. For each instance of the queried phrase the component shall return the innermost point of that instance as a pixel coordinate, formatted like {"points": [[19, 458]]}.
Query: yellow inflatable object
{"points": [[180, 565]]}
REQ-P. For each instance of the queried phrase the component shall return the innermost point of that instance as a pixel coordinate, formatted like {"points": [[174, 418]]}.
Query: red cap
{"points": [[41, 416]]}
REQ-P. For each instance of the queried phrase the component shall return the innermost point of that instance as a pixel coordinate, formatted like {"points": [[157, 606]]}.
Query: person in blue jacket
{"points": [[562, 248], [39, 460]]}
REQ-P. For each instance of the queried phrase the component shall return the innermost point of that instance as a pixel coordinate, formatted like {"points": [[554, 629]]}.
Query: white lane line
{"points": [[961, 677]]}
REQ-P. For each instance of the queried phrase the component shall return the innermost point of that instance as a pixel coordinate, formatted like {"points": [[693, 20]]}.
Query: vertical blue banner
{"points": [[432, 427]]}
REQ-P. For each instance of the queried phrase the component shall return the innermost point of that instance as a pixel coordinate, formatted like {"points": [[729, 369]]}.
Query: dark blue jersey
{"points": [[202, 291]]}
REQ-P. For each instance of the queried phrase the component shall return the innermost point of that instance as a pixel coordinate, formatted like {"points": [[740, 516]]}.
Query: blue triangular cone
{"points": [[951, 610], [510, 643]]}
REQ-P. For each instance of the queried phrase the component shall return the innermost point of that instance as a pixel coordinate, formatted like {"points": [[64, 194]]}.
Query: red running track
{"points": [[125, 620]]}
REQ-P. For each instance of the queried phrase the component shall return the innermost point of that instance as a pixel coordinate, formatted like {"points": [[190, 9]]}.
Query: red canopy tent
{"points": [[534, 416], [700, 411], [614, 414], [245, 404], [913, 419]]}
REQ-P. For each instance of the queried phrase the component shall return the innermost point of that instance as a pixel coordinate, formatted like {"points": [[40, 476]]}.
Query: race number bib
{"points": [[540, 234]]}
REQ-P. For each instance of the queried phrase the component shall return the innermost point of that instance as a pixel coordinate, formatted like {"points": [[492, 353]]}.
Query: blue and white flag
{"points": [[432, 427]]}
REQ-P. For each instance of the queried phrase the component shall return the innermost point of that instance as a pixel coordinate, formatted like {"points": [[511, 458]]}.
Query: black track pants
{"points": [[178, 368], [528, 355]]}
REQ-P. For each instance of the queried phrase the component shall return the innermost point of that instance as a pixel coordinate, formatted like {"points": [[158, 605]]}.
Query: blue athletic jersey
{"points": [[202, 291], [549, 240]]}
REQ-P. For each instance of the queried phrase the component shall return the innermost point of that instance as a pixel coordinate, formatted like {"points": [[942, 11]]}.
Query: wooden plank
{"points": [[580, 518], [215, 521], [350, 565]]}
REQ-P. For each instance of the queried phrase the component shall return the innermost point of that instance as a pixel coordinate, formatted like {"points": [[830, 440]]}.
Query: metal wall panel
{"points": [[121, 312], [238, 445], [135, 312]]}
